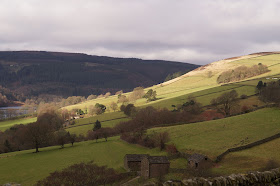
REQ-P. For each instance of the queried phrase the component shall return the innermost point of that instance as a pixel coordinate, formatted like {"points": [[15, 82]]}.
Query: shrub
{"points": [[245, 109], [129, 110], [243, 96], [171, 149], [83, 174], [211, 114]]}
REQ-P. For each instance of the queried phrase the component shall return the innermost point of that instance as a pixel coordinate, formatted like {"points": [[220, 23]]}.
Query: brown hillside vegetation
{"points": [[242, 72]]}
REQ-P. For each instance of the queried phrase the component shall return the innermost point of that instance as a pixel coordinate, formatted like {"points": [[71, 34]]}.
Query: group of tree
{"points": [[242, 72], [150, 95], [150, 117], [270, 92], [3, 100], [46, 131], [174, 75], [191, 106], [84, 174], [136, 94], [147, 140], [97, 109], [128, 110]]}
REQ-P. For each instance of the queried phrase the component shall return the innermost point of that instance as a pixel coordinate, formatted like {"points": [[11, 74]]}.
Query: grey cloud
{"points": [[188, 31]]}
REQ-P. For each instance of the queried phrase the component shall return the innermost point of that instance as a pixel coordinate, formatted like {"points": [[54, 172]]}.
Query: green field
{"points": [[9, 123], [83, 129], [210, 138], [216, 136], [102, 117], [197, 81], [83, 125], [252, 159], [26, 167]]}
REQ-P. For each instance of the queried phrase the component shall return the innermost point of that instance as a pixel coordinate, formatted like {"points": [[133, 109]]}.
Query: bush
{"points": [[83, 174], [211, 114], [128, 110], [171, 149], [243, 96], [245, 109]]}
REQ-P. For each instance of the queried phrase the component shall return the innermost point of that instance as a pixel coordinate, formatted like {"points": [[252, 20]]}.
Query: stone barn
{"points": [[154, 166], [199, 161], [132, 162]]}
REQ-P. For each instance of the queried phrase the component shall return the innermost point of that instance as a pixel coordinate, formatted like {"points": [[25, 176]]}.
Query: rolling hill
{"points": [[210, 137], [32, 73], [198, 79]]}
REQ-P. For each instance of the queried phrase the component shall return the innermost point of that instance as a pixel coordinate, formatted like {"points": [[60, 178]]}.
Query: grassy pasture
{"points": [[102, 117], [83, 129], [252, 159], [214, 137], [205, 96], [9, 123], [210, 138], [26, 167], [83, 125], [198, 81]]}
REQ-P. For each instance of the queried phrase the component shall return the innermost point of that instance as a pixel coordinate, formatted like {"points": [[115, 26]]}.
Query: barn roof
{"points": [[197, 157], [158, 159], [135, 157]]}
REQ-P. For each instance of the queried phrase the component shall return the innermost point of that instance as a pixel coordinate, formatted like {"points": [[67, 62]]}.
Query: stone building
{"points": [[154, 166], [132, 162], [198, 161]]}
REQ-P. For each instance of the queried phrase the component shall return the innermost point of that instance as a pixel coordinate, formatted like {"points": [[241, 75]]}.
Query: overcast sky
{"points": [[180, 30]]}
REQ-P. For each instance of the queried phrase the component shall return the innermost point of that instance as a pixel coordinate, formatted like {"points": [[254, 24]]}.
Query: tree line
{"points": [[242, 72], [46, 131]]}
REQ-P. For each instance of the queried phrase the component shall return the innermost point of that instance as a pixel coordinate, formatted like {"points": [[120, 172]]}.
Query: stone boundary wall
{"points": [[256, 143], [271, 177]]}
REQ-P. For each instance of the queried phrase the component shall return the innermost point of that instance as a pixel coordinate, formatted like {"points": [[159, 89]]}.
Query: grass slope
{"points": [[83, 125], [198, 80], [27, 168], [83, 129], [256, 158], [9, 123], [214, 137]]}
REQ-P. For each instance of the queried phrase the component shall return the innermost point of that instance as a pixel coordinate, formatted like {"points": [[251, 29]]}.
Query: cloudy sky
{"points": [[180, 30]]}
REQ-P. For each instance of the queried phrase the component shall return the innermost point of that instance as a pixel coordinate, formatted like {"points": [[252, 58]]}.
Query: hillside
{"points": [[70, 74], [199, 79], [209, 137]]}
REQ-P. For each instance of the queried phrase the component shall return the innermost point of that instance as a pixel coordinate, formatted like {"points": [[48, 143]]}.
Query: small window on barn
{"points": [[196, 165]]}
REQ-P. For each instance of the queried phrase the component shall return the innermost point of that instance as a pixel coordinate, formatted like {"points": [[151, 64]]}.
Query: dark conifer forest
{"points": [[34, 73]]}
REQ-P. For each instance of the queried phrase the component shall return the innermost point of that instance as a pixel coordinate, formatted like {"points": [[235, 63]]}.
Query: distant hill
{"points": [[71, 74]]}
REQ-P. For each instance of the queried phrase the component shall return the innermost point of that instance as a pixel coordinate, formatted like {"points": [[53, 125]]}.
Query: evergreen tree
{"points": [[97, 125]]}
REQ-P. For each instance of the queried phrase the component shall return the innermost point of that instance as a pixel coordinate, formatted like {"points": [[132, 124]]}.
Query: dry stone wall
{"points": [[271, 177]]}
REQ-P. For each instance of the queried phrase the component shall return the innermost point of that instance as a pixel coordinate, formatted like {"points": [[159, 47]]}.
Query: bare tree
{"points": [[226, 102], [114, 106], [137, 93], [62, 137], [122, 99], [38, 134], [107, 95]]}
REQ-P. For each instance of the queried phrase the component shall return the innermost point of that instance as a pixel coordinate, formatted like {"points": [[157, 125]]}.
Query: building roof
{"points": [[135, 157], [197, 157], [158, 160]]}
